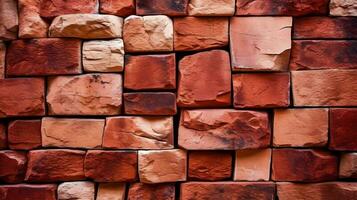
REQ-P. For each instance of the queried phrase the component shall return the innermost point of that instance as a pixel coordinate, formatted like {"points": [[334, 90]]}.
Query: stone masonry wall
{"points": [[178, 99]]}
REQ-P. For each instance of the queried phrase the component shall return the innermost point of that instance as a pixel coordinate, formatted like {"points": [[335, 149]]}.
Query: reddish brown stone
{"points": [[8, 20], [3, 136], [324, 87], [2, 59], [320, 54], [303, 165], [228, 190], [199, 33], [47, 56], [54, 8], [121, 8], [150, 72], [140, 191], [204, 165], [348, 165], [111, 191], [27, 191], [55, 165], [129, 132], [24, 134], [325, 28], [22, 97], [325, 191], [13, 166], [261, 90], [211, 7], [282, 7], [111, 166], [226, 129], [213, 89], [165, 7], [150, 103], [343, 129]]}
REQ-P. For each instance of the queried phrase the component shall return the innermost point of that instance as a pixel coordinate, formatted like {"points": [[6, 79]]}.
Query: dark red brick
{"points": [[3, 136], [121, 8], [140, 191], [150, 103], [53, 8], [24, 134], [164, 7], [343, 129], [27, 192], [13, 166]]}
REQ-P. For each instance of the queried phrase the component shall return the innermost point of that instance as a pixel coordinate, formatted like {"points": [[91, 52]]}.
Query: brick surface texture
{"points": [[178, 99]]}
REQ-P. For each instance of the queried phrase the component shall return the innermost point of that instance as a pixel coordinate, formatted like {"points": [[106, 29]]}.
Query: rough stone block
{"points": [[111, 191], [121, 8], [211, 7], [2, 59], [140, 191], [13, 166], [24, 134], [348, 165], [79, 190], [54, 8], [25, 191], [343, 129], [9, 22], [3, 136], [164, 7], [343, 8]]}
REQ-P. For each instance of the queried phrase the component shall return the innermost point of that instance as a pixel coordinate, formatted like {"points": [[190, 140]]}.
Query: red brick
{"points": [[325, 28], [8, 20], [22, 97], [130, 132], [223, 129], [211, 7], [27, 191], [261, 90], [111, 166], [200, 33], [228, 190], [348, 165], [140, 191], [150, 103], [53, 8], [121, 8], [325, 191], [324, 88], [303, 165], [203, 165], [24, 134], [165, 7], [55, 165], [2, 59], [13, 166], [145, 72], [320, 54], [3, 136], [46, 56], [282, 7], [213, 89], [343, 129]]}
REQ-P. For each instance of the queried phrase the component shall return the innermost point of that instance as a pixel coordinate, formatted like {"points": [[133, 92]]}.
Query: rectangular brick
{"points": [[45, 56], [53, 8], [163, 7], [2, 59], [140, 191], [25, 191], [3, 136], [24, 134], [8, 20], [343, 129]]}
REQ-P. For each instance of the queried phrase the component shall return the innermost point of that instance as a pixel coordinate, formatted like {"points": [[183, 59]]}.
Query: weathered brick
{"points": [[228, 190], [55, 165], [164, 7], [129, 132], [213, 89], [24, 134], [159, 72], [348, 165], [261, 90], [253, 43], [200, 33], [148, 33], [79, 190], [223, 129], [103, 55], [22, 97], [86, 26], [89, 94], [2, 59], [304, 165], [343, 129], [343, 8], [162, 166], [13, 166], [324, 88], [31, 24], [9, 23], [325, 28], [140, 191], [121, 8], [26, 191], [46, 56], [282, 7], [150, 103], [211, 7], [111, 166], [320, 54], [252, 165], [3, 136], [111, 191], [300, 127], [325, 191], [54, 8], [72, 133], [203, 165]]}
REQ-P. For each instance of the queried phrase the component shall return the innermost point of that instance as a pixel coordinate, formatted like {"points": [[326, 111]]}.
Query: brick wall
{"points": [[178, 99]]}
